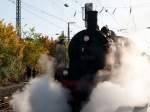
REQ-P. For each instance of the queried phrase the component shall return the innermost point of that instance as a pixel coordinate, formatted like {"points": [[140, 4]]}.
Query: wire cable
{"points": [[40, 17], [44, 12]]}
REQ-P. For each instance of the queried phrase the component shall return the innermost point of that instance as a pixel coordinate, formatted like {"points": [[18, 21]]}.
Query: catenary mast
{"points": [[18, 17]]}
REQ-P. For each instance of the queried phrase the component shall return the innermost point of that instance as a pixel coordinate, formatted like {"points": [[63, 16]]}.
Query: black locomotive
{"points": [[87, 50], [87, 53]]}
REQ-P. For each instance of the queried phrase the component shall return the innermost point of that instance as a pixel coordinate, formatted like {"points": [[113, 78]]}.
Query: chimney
{"points": [[92, 20]]}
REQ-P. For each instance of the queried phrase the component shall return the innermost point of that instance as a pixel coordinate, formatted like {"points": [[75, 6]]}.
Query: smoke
{"points": [[42, 94], [128, 85]]}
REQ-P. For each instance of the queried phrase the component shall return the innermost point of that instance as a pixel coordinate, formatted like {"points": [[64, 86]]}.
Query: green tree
{"points": [[33, 48]]}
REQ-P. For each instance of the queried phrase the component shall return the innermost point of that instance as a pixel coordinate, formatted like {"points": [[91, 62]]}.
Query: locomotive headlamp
{"points": [[86, 38]]}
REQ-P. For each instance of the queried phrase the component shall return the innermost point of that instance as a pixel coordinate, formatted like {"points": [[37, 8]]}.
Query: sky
{"points": [[50, 17]]}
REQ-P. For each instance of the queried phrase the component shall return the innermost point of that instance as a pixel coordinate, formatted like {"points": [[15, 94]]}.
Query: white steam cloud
{"points": [[128, 86], [126, 90], [42, 94]]}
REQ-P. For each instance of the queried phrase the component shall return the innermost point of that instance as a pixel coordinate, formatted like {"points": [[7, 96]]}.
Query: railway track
{"points": [[5, 96], [4, 105]]}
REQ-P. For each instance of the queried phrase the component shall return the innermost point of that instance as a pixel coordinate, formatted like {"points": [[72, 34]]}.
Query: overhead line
{"points": [[131, 12], [37, 15], [42, 18], [110, 14], [44, 12]]}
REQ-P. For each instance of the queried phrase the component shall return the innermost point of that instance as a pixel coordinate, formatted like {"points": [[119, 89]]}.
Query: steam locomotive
{"points": [[88, 51], [87, 54]]}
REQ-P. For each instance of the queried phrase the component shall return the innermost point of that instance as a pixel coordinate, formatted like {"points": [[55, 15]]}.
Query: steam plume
{"points": [[42, 94], [129, 84]]}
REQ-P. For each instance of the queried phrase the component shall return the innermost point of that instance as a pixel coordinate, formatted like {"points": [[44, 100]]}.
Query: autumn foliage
{"points": [[16, 53]]}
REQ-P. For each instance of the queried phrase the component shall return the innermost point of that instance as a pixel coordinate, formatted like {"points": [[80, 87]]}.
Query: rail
{"points": [[5, 96]]}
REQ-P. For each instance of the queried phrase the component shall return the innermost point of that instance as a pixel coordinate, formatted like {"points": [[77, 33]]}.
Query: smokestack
{"points": [[92, 20]]}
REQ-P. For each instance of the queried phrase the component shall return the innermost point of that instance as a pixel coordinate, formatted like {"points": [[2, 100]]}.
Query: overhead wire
{"points": [[132, 15], [40, 17], [107, 11], [77, 2], [127, 7], [57, 3], [131, 8], [75, 8], [106, 8], [44, 12], [66, 5]]}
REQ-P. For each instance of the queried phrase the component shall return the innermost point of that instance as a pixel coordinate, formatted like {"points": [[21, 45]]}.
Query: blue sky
{"points": [[51, 16]]}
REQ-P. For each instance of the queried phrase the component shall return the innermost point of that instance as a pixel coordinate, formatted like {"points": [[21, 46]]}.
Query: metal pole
{"points": [[18, 17], [68, 31]]}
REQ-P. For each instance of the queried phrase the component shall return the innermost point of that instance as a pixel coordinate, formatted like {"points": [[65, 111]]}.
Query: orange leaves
{"points": [[16, 53], [8, 38]]}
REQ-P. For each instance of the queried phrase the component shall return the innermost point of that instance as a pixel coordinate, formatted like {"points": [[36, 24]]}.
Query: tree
{"points": [[10, 59], [17, 53], [35, 45]]}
